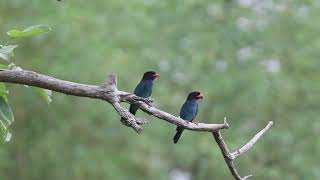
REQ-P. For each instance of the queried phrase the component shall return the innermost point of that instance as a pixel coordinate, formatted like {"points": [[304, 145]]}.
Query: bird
{"points": [[188, 111], [144, 88]]}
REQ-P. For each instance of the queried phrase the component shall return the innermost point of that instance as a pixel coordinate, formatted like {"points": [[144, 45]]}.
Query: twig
{"points": [[249, 144]]}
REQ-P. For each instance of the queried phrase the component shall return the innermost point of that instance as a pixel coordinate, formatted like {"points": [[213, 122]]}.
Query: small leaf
{"points": [[7, 136], [45, 94], [3, 67], [30, 31], [6, 115], [7, 51], [3, 89]]}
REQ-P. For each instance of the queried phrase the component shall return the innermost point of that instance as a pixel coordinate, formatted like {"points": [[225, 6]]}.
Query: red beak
{"points": [[200, 96], [156, 75]]}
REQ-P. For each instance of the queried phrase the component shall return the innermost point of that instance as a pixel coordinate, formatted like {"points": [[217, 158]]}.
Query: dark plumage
{"points": [[188, 111], [144, 88]]}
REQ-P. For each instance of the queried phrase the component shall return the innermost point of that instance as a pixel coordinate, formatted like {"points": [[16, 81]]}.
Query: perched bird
{"points": [[188, 112], [144, 88]]}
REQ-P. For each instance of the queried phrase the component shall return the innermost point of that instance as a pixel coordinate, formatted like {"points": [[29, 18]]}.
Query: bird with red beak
{"points": [[188, 111], [144, 88]]}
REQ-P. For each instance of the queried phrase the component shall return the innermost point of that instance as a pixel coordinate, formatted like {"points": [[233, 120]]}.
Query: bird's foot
{"points": [[141, 121], [148, 101], [196, 123]]}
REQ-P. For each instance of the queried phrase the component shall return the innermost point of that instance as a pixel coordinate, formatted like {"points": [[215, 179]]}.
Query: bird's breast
{"points": [[144, 89], [188, 111]]}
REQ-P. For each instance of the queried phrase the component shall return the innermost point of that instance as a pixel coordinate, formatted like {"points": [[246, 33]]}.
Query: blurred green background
{"points": [[255, 60]]}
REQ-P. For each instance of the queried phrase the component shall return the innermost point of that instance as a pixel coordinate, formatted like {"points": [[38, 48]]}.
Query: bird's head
{"points": [[150, 75], [195, 95]]}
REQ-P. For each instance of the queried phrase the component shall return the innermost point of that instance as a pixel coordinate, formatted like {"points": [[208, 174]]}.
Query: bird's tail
{"points": [[177, 135], [133, 109]]}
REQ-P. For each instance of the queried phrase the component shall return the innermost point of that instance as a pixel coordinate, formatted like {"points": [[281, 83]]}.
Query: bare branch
{"points": [[127, 118], [108, 92], [111, 82], [249, 144], [230, 157], [70, 88], [170, 118], [226, 154]]}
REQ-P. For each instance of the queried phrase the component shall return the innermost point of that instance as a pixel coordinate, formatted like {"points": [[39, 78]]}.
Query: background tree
{"points": [[258, 61]]}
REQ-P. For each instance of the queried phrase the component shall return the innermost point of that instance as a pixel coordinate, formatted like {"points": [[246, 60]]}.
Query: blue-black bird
{"points": [[144, 88], [188, 112]]}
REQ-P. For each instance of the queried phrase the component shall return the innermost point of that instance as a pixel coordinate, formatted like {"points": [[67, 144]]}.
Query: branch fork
{"points": [[229, 157], [109, 92]]}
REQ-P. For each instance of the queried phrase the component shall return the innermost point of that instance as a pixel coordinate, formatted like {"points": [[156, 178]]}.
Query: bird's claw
{"points": [[141, 121], [149, 101], [196, 123]]}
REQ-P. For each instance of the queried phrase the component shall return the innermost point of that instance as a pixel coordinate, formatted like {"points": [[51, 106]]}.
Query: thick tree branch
{"points": [[108, 92], [127, 116], [170, 118], [38, 80]]}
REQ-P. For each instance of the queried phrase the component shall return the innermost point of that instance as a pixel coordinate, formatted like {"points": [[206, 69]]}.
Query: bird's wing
{"points": [[195, 113], [187, 112], [139, 89], [183, 111]]}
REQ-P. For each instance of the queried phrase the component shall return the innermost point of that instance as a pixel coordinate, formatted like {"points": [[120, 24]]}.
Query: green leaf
{"points": [[3, 67], [7, 51], [6, 115], [3, 89], [7, 136], [45, 94], [30, 31]]}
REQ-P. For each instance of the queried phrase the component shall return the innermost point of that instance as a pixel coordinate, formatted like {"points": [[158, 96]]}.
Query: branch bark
{"points": [[230, 157], [108, 92]]}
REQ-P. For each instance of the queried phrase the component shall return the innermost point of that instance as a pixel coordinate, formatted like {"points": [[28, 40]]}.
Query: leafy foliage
{"points": [[6, 116], [7, 51], [45, 94], [3, 90], [28, 32]]}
